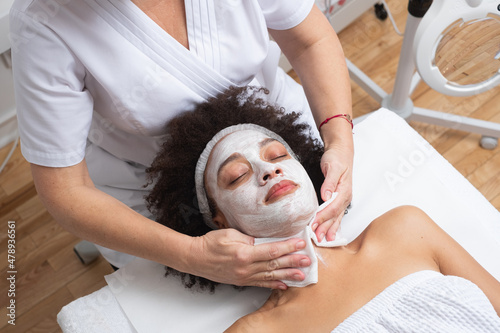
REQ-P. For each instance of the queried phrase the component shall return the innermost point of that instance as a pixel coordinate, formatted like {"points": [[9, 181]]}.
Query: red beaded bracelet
{"points": [[345, 116]]}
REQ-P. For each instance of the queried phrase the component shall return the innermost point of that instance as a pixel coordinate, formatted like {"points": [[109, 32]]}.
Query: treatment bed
{"points": [[393, 166]]}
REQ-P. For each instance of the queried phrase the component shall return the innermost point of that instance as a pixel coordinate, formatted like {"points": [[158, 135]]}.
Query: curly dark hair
{"points": [[173, 197]]}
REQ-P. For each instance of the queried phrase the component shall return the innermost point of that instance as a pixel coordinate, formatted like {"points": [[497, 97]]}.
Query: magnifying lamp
{"points": [[457, 46]]}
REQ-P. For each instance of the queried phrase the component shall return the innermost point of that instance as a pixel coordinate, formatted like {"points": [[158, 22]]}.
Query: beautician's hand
{"points": [[336, 165], [228, 256]]}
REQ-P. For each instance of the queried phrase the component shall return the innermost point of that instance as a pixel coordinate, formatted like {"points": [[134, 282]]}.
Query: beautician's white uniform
{"points": [[98, 79]]}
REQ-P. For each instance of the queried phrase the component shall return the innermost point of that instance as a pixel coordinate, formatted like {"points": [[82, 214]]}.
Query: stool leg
{"points": [[86, 251]]}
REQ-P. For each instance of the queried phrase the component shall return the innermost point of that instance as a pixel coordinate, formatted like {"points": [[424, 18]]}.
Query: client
{"points": [[402, 273]]}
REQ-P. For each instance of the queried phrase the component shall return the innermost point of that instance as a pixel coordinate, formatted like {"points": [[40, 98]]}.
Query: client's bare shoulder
{"points": [[399, 242], [405, 228]]}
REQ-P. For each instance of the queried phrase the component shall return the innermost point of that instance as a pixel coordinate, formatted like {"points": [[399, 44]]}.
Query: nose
{"points": [[269, 172]]}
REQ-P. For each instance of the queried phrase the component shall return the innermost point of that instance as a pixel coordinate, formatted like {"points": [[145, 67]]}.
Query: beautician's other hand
{"points": [[336, 165], [228, 256]]}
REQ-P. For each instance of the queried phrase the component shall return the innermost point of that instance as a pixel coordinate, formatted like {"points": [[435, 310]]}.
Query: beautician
{"points": [[96, 80]]}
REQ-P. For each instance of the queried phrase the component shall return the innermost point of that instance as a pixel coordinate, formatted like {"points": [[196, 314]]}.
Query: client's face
{"points": [[258, 187]]}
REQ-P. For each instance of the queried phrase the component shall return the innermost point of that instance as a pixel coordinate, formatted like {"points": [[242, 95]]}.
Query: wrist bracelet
{"points": [[345, 116]]}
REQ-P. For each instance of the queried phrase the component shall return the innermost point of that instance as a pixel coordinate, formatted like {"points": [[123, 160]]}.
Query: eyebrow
{"points": [[227, 161], [265, 142]]}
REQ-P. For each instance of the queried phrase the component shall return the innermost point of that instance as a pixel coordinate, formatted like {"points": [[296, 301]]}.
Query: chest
{"points": [[170, 15], [348, 282]]}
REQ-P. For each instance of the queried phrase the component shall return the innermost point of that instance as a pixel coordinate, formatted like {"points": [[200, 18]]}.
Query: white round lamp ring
{"points": [[457, 46]]}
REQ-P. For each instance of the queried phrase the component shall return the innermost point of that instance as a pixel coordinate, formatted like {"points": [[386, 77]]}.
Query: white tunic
{"points": [[98, 79]]}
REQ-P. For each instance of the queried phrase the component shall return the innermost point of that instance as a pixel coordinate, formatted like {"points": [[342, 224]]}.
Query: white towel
{"points": [[308, 235], [98, 312], [425, 301]]}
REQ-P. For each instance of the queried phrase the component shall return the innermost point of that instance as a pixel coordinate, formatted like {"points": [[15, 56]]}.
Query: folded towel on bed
{"points": [[98, 312]]}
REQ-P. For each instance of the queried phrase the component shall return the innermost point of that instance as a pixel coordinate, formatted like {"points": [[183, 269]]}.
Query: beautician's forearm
{"points": [[324, 76], [316, 55], [93, 215], [101, 219]]}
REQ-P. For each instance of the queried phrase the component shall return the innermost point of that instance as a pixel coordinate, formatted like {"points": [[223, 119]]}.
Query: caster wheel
{"points": [[380, 11], [488, 142]]}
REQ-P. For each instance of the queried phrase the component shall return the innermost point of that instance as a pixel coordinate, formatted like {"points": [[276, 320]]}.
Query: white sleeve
{"points": [[54, 109], [285, 14]]}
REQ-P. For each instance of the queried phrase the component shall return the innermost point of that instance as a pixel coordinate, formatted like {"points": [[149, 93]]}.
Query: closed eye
{"points": [[279, 157], [237, 179]]}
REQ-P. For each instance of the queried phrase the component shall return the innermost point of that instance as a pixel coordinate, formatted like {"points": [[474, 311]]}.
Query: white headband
{"points": [[203, 159]]}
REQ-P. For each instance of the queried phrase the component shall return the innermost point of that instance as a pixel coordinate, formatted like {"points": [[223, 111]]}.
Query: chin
{"points": [[292, 224]]}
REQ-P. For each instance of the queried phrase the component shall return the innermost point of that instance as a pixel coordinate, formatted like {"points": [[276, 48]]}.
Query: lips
{"points": [[279, 190]]}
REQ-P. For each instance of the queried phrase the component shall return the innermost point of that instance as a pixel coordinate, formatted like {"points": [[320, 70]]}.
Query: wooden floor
{"points": [[48, 273]]}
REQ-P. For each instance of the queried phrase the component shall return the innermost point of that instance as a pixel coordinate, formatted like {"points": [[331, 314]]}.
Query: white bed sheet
{"points": [[393, 166]]}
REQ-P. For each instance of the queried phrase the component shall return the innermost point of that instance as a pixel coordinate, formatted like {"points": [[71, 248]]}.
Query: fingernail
{"points": [[300, 245], [328, 195], [314, 226], [297, 277], [282, 287], [304, 262], [332, 237], [321, 236]]}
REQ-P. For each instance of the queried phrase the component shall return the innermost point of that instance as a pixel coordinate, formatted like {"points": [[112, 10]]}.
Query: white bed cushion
{"points": [[393, 166]]}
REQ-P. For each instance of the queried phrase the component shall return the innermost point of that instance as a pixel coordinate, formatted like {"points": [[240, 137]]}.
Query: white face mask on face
{"points": [[259, 188]]}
